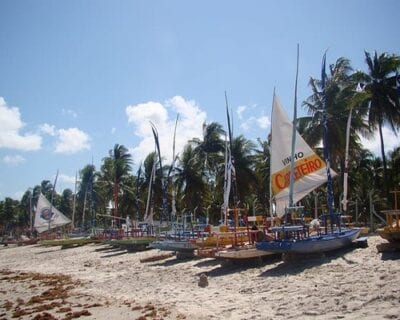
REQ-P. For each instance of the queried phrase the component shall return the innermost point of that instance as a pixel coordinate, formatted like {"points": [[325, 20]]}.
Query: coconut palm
{"points": [[209, 151], [190, 180], [340, 96], [261, 160], [242, 151], [384, 104], [85, 194], [338, 92], [114, 169]]}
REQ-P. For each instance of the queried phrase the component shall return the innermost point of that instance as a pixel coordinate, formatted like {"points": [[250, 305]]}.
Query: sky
{"points": [[78, 77]]}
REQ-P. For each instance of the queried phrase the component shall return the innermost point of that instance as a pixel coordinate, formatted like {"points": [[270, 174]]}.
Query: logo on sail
{"points": [[46, 214], [302, 168]]}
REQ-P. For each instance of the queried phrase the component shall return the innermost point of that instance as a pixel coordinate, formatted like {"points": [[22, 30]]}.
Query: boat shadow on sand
{"points": [[169, 262], [395, 255], [295, 264], [112, 252], [226, 267]]}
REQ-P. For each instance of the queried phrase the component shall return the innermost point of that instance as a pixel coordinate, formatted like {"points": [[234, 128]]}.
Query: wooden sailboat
{"points": [[236, 242], [295, 173]]}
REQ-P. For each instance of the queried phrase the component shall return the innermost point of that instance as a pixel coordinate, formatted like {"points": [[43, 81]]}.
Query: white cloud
{"points": [[390, 141], [71, 141], [264, 122], [68, 141], [66, 179], [14, 160], [10, 126], [250, 122], [240, 110], [255, 124], [191, 119], [48, 129]]}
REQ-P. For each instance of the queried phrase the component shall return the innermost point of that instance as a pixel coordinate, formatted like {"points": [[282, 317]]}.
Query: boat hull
{"points": [[131, 244], [242, 254], [312, 244], [389, 234], [174, 245]]}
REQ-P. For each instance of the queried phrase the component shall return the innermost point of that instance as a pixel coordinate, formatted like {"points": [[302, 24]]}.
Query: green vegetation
{"points": [[198, 177]]}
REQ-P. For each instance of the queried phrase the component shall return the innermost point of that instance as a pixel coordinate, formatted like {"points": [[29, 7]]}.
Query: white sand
{"points": [[352, 284]]}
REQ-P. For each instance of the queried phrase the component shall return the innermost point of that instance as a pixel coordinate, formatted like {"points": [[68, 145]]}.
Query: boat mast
{"points": [[292, 155], [173, 191], [52, 198], [74, 201], [271, 213], [163, 185], [329, 189], [230, 156], [346, 163]]}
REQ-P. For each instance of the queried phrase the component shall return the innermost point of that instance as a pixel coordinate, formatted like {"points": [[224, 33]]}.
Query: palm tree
{"points": [[209, 151], [384, 104], [261, 160], [339, 89], [114, 169], [242, 151], [190, 180], [85, 194], [339, 95]]}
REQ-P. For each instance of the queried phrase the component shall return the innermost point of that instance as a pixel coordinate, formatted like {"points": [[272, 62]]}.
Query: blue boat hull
{"points": [[312, 244]]}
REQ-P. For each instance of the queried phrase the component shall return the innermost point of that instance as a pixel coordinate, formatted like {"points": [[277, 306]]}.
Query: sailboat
{"points": [[47, 217], [296, 170]]}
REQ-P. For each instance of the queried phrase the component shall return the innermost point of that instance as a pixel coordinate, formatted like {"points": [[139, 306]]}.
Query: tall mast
{"points": [[346, 162], [173, 195], [231, 160], [164, 194], [292, 156], [74, 201], [329, 189], [270, 162], [52, 198]]}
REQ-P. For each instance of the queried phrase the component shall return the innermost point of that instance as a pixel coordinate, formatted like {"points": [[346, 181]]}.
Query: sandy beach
{"points": [[94, 282]]}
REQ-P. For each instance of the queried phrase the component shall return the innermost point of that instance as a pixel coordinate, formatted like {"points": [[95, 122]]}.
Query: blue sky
{"points": [[78, 77]]}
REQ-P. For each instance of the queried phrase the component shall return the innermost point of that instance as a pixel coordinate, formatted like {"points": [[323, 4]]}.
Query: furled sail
{"points": [[309, 168], [48, 217]]}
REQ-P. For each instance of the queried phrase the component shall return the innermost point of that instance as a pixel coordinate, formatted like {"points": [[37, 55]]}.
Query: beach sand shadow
{"points": [[206, 262], [226, 267], [170, 262], [296, 264], [395, 255], [114, 252], [46, 251]]}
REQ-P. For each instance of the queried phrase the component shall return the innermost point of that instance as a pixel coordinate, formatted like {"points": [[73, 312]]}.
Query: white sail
{"points": [[48, 217], [309, 168]]}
